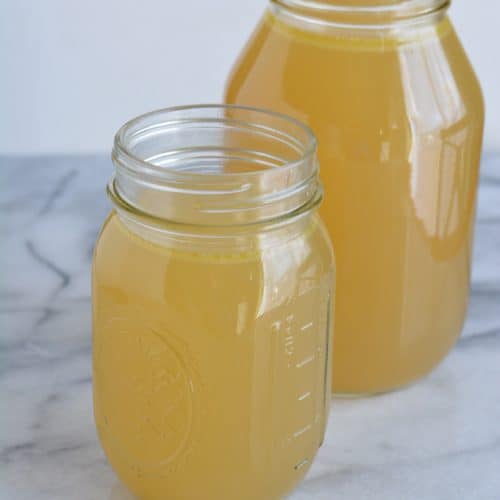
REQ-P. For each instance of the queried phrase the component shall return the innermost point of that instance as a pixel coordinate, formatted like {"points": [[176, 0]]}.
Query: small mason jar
{"points": [[398, 112], [212, 297]]}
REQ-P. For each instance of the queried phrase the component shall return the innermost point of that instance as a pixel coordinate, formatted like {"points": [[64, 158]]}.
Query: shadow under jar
{"points": [[212, 293], [398, 113]]}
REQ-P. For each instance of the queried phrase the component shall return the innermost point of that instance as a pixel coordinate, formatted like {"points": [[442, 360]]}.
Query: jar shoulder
{"points": [[416, 80], [123, 258]]}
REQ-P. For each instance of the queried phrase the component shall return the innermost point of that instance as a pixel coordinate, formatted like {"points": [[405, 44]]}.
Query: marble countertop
{"points": [[439, 439]]}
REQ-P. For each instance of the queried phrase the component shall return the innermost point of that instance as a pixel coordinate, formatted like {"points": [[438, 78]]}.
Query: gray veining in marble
{"points": [[439, 439]]}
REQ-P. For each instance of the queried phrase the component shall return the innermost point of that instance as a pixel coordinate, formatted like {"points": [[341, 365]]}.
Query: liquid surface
{"points": [[399, 123], [211, 371]]}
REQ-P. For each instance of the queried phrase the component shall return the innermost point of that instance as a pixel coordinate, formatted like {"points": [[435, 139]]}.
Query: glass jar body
{"points": [[399, 119], [211, 366]]}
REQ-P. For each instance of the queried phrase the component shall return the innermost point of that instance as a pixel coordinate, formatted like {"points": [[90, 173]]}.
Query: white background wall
{"points": [[72, 71]]}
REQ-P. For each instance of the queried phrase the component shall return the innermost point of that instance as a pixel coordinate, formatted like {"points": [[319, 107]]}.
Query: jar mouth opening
{"points": [[172, 119], [215, 164]]}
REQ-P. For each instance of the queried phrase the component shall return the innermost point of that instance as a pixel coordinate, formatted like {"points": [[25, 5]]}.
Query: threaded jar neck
{"points": [[214, 165], [362, 14]]}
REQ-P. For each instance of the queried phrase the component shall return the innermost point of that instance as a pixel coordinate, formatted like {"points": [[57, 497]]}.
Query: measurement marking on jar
{"points": [[305, 361], [302, 431], [289, 345], [289, 337], [304, 396], [301, 464], [305, 327]]}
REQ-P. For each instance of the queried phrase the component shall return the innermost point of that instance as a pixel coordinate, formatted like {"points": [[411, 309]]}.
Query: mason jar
{"points": [[398, 112], [212, 292]]}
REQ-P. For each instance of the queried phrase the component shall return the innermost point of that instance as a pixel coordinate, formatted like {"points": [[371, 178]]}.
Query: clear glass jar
{"points": [[212, 293], [398, 113]]}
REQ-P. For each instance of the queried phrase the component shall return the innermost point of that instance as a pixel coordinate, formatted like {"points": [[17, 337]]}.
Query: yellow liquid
{"points": [[399, 123], [211, 369]]}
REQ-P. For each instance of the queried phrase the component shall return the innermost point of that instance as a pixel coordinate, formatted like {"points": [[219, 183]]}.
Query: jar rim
{"points": [[120, 147], [213, 164]]}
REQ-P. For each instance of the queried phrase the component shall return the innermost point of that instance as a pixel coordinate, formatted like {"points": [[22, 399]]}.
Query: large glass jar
{"points": [[398, 113], [212, 293]]}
